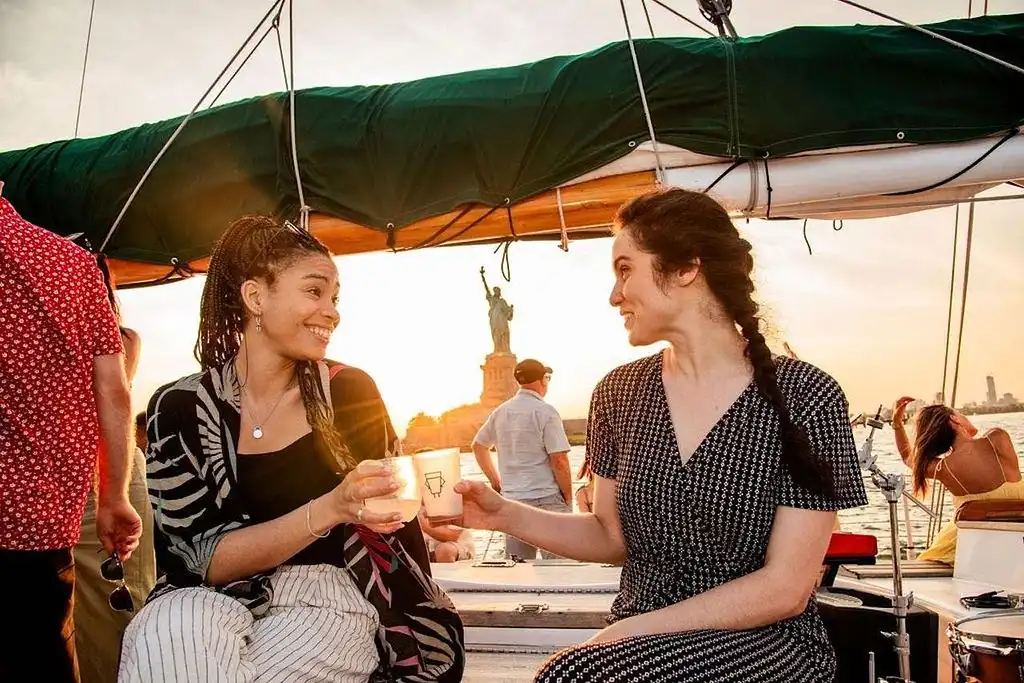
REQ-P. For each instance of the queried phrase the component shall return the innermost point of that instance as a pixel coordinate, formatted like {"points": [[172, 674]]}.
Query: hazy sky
{"points": [[869, 306]]}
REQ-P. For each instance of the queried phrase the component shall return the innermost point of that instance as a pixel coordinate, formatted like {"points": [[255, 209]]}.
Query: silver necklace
{"points": [[257, 426]]}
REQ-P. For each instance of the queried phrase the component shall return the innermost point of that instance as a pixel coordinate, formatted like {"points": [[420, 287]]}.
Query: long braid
{"points": [[808, 471], [259, 246], [682, 228]]}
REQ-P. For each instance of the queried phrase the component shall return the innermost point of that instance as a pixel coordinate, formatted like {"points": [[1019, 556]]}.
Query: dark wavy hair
{"points": [[108, 283], [933, 437], [676, 227], [259, 247]]}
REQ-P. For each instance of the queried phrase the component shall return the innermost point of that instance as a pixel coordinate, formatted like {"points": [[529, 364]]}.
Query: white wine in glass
{"points": [[407, 499]]}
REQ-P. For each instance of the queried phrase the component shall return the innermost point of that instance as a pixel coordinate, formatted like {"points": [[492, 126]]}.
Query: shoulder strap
{"points": [[327, 373]]}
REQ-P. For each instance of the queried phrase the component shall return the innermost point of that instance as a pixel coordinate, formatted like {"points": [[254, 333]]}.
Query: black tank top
{"points": [[274, 484]]}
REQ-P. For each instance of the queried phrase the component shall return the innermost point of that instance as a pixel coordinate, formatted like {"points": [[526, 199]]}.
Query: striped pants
{"points": [[318, 628]]}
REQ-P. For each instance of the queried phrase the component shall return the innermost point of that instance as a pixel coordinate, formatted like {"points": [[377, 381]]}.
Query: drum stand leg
{"points": [[892, 486]]}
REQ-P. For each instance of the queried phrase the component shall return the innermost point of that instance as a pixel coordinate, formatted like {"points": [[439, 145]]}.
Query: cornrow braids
{"points": [[258, 246], [679, 226]]}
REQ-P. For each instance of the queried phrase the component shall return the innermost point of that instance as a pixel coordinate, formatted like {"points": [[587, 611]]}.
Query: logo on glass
{"points": [[434, 482]]}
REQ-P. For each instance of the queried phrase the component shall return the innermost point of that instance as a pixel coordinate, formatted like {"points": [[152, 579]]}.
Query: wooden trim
{"points": [[992, 526], [501, 616], [587, 205]]}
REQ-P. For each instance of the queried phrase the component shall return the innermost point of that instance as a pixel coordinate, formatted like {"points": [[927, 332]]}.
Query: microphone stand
{"points": [[893, 487]]}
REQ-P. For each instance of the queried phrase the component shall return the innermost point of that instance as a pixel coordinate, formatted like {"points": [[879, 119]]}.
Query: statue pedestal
{"points": [[499, 379]]}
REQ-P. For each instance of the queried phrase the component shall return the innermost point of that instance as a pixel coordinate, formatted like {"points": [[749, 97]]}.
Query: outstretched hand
{"points": [[482, 506]]}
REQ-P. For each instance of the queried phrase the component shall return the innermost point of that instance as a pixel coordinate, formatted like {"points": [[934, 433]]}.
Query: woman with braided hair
{"points": [[718, 469], [271, 567]]}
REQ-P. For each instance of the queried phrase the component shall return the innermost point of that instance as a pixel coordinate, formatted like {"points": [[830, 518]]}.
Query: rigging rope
{"points": [[245, 61], [184, 122], [1010, 134], [85, 63], [647, 14], [276, 26], [303, 207], [937, 501], [959, 345], [949, 313], [938, 36], [643, 94], [685, 18], [963, 301], [564, 243]]}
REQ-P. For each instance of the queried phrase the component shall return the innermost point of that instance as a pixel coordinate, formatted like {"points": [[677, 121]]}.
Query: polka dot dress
{"points": [[694, 526]]}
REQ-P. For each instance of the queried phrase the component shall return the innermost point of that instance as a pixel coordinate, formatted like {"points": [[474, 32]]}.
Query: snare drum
{"points": [[988, 647]]}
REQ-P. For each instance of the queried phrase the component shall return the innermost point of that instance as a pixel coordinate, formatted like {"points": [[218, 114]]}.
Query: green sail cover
{"points": [[393, 154]]}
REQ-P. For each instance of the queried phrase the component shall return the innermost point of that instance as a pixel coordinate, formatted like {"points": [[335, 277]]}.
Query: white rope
{"points": [[182, 125], [938, 36], [303, 208], [85, 64], [643, 94], [561, 219]]}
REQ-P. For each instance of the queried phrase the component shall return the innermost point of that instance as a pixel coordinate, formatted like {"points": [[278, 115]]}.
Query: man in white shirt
{"points": [[533, 451]]}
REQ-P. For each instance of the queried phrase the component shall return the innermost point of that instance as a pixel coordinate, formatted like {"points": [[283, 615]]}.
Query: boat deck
{"points": [[516, 617], [503, 667]]}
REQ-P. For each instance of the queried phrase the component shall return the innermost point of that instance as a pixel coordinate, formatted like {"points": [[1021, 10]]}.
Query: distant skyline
{"points": [[869, 306]]}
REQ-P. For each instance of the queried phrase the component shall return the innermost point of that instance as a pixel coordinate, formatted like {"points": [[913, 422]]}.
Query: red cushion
{"points": [[845, 545]]}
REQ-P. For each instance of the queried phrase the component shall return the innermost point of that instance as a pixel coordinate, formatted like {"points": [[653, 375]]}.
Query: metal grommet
{"points": [[900, 135], [632, 143], [390, 226], [174, 260]]}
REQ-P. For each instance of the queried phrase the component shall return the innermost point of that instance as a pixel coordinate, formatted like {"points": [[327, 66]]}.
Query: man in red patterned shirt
{"points": [[63, 400]]}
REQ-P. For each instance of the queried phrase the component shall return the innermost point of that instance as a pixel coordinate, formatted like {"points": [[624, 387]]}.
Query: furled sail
{"points": [[836, 121]]}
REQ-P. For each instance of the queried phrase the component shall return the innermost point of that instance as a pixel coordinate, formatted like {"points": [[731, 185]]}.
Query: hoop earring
{"points": [[259, 322]]}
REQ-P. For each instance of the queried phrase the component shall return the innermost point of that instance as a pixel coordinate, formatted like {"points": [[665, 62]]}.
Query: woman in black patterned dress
{"points": [[718, 467]]}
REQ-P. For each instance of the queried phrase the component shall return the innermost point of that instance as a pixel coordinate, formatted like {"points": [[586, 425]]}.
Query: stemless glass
{"points": [[408, 498]]}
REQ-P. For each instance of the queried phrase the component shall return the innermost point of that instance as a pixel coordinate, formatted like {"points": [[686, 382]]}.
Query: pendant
{"points": [[257, 432]]}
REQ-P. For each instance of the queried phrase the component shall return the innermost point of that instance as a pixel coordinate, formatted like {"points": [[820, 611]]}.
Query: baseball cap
{"points": [[531, 370]]}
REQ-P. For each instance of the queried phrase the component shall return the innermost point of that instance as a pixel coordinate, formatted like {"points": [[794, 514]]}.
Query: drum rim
{"points": [[955, 632]]}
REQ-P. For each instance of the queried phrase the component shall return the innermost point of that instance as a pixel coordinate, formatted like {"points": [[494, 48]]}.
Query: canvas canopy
{"points": [[414, 164]]}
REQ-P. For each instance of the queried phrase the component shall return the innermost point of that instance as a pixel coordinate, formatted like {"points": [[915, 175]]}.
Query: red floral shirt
{"points": [[54, 319]]}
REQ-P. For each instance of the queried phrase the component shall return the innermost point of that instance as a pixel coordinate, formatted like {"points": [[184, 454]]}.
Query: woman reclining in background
{"points": [[945, 448]]}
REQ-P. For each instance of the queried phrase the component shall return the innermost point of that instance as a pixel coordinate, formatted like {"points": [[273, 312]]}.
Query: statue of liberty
{"points": [[500, 314]]}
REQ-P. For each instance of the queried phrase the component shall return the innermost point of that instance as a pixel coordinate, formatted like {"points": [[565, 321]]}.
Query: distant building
{"points": [[990, 395], [575, 425], [940, 397]]}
